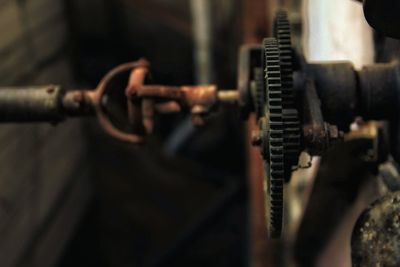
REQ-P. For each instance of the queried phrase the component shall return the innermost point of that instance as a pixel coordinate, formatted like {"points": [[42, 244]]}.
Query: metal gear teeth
{"points": [[276, 136], [292, 135], [283, 34]]}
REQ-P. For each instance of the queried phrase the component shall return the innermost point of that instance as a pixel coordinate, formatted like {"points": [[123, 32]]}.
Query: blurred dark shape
{"points": [[383, 16]]}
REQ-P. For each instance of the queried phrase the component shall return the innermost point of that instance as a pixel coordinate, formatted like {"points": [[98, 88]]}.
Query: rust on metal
{"points": [[168, 107], [318, 135], [138, 70], [186, 96], [144, 101], [78, 103], [368, 131]]}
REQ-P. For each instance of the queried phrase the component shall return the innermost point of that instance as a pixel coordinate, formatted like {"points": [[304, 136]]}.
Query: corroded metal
{"points": [[49, 103], [318, 135], [139, 68], [31, 104], [376, 235], [53, 104]]}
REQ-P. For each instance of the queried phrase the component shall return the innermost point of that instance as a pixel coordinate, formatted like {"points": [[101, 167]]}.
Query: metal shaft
{"points": [[48, 103]]}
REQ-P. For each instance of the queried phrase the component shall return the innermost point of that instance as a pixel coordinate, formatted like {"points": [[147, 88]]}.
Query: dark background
{"points": [[145, 198]]}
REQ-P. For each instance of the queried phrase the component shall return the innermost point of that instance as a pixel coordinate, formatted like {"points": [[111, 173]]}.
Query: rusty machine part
{"points": [[327, 98], [376, 236], [300, 106], [53, 104]]}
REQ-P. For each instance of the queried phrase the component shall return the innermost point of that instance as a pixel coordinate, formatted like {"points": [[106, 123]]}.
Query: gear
{"points": [[278, 119], [282, 33], [274, 133], [292, 133]]}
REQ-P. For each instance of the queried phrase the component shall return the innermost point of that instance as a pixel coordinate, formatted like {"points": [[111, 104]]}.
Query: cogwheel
{"points": [[292, 132], [275, 136], [283, 35]]}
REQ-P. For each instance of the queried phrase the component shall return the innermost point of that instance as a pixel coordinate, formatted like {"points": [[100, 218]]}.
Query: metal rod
{"points": [[49, 103], [31, 104]]}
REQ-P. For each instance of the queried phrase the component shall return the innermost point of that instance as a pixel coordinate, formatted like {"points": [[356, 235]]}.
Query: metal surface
{"points": [[31, 104], [292, 132], [376, 236], [273, 134], [282, 32], [78, 103], [374, 96], [52, 104], [145, 100], [331, 95], [345, 93], [371, 131], [318, 135], [249, 58], [48, 103], [389, 172], [379, 89], [138, 70], [336, 86]]}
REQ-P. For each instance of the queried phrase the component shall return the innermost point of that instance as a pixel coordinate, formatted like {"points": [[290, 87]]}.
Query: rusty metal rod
{"points": [[31, 104], [48, 103]]}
